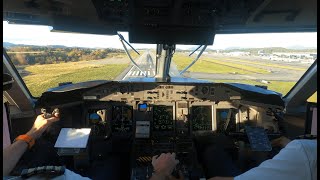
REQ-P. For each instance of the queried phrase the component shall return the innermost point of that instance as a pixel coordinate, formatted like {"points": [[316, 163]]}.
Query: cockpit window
{"points": [[274, 61], [46, 59], [313, 98]]}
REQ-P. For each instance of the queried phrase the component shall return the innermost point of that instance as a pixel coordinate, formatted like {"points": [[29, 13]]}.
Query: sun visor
{"points": [[172, 22]]}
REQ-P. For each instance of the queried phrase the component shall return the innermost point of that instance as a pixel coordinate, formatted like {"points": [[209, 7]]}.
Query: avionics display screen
{"points": [[142, 107], [162, 118], [122, 118], [226, 120], [201, 118], [94, 116], [97, 122]]}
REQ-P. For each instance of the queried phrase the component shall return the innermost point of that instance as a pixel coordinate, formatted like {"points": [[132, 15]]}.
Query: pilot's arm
{"points": [[13, 152], [298, 160]]}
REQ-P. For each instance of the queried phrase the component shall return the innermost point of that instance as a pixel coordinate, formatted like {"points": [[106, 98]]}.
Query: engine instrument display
{"points": [[162, 118], [226, 120], [201, 118], [97, 122], [94, 117], [121, 118]]}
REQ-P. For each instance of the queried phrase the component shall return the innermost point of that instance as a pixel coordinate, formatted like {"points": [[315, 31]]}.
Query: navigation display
{"points": [[162, 118], [122, 118], [201, 118]]}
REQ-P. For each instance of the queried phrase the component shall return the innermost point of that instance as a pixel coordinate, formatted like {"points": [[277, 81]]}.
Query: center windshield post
{"points": [[163, 61]]}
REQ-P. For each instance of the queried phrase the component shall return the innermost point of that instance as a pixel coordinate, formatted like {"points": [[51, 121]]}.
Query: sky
{"points": [[41, 35]]}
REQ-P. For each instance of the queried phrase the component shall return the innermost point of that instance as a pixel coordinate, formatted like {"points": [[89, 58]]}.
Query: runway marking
{"points": [[127, 73]]}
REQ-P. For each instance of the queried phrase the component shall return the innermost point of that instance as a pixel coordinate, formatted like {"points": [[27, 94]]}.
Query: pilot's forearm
{"points": [[12, 154]]}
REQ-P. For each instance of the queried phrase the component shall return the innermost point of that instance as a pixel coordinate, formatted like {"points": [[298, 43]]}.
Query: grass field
{"points": [[124, 55], [313, 98], [43, 77], [265, 64], [208, 65]]}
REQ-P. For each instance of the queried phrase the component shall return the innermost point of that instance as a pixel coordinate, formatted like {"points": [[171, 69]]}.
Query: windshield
{"points": [[46, 59], [274, 61]]}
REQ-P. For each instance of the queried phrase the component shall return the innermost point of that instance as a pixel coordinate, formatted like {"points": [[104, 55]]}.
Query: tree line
{"points": [[30, 55]]}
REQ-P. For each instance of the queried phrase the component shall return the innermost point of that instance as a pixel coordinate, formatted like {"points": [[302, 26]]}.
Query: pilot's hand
{"points": [[164, 164], [41, 124], [181, 177], [280, 142]]}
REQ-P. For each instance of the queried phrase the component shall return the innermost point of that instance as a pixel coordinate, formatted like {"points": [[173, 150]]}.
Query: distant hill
{"points": [[57, 46], [10, 45]]}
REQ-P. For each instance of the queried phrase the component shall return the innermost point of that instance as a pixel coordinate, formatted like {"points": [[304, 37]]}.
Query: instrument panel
{"points": [[156, 92], [146, 119], [184, 107]]}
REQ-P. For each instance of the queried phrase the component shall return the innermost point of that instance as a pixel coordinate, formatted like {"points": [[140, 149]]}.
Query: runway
{"points": [[146, 63]]}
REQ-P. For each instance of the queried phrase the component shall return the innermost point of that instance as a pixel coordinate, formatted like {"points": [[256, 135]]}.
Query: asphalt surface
{"points": [[147, 63]]}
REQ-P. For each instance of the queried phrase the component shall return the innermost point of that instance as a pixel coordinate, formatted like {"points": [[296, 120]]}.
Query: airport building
{"points": [[237, 53], [304, 57]]}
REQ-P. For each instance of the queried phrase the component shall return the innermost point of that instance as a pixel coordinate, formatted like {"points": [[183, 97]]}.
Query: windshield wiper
{"points": [[195, 50], [122, 40], [195, 60]]}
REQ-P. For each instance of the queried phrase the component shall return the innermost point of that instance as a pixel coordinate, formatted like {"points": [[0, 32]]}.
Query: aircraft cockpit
{"points": [[129, 120]]}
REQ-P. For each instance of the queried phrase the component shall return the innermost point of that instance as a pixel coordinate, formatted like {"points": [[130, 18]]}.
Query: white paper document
{"points": [[73, 138]]}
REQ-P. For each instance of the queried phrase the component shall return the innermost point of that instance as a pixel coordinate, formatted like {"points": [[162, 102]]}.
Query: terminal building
{"points": [[303, 57]]}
